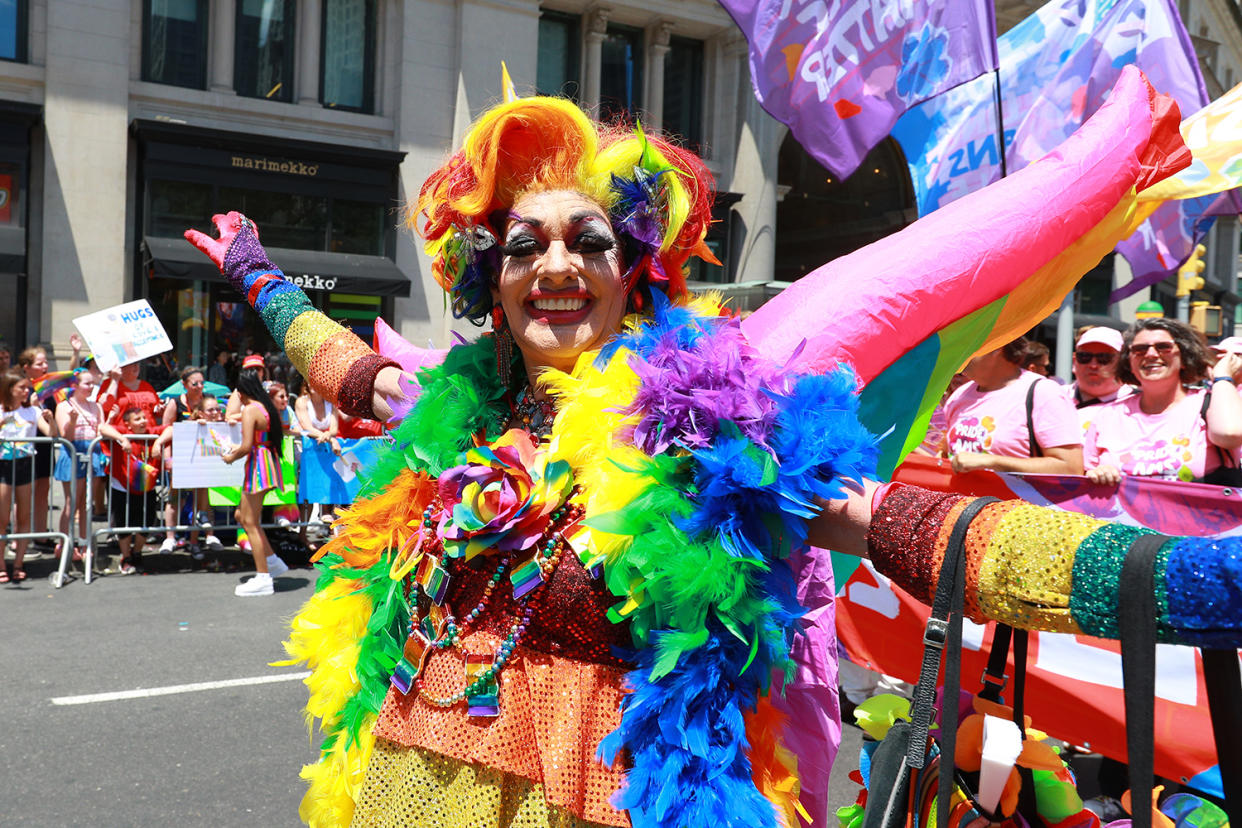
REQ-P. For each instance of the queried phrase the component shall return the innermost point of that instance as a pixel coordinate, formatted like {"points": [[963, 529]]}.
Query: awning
{"points": [[309, 269]]}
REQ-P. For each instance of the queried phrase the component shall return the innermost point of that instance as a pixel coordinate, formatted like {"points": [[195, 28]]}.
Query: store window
{"points": [[265, 45], [621, 73], [174, 206], [347, 78], [174, 44], [13, 29], [683, 91], [820, 217], [560, 41], [358, 227], [287, 220]]}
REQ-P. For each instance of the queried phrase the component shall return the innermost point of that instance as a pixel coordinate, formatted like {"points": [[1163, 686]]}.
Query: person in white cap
{"points": [[1097, 355]]}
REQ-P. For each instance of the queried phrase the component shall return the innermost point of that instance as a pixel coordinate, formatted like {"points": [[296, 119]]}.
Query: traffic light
{"points": [[1188, 275]]}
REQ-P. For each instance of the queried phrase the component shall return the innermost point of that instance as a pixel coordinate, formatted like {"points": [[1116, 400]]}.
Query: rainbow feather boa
{"points": [[699, 463]]}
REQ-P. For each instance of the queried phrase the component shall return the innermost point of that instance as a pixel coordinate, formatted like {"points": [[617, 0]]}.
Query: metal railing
{"points": [[20, 475], [97, 530]]}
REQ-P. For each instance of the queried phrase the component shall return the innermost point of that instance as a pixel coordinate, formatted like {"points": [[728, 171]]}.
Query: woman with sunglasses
{"points": [[1170, 428]]}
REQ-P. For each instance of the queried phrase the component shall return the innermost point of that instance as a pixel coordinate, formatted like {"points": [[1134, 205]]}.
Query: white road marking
{"points": [[177, 688]]}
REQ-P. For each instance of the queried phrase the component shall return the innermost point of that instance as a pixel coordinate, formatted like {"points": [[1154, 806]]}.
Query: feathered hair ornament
{"points": [[658, 195]]}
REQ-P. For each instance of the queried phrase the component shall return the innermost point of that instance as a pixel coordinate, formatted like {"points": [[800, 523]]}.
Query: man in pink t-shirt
{"points": [[988, 420]]}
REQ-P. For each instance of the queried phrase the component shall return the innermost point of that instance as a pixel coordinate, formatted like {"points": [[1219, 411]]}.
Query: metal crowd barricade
{"points": [[13, 463], [96, 535]]}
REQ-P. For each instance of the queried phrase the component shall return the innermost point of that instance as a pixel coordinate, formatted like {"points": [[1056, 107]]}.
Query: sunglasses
{"points": [[1162, 348], [1088, 357]]}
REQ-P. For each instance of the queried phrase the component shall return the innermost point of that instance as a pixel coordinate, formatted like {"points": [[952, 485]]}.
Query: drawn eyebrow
{"points": [[584, 215], [514, 217]]}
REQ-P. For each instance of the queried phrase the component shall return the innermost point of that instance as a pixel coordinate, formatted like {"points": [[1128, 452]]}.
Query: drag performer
{"points": [[566, 595]]}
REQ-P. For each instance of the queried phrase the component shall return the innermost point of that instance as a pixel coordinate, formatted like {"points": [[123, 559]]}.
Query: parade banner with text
{"points": [[1056, 69], [839, 74], [123, 334], [1074, 687]]}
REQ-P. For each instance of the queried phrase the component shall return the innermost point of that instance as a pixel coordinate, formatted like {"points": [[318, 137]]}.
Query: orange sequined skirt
{"points": [[553, 713]]}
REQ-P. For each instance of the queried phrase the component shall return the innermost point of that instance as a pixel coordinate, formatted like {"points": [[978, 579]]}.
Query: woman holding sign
{"points": [[260, 445]]}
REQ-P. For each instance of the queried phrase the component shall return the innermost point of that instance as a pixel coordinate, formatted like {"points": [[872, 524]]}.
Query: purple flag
{"points": [[839, 74], [1056, 69]]}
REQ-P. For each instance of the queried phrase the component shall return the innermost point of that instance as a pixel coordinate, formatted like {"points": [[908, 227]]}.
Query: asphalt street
{"points": [[225, 754]]}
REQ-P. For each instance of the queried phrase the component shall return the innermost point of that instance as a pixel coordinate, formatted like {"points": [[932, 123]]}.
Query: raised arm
{"points": [[1224, 414], [333, 359]]}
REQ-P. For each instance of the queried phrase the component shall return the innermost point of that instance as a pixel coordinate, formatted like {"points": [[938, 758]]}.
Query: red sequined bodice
{"points": [[572, 619]]}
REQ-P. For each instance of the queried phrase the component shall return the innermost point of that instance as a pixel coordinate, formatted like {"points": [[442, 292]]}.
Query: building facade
{"points": [[122, 122]]}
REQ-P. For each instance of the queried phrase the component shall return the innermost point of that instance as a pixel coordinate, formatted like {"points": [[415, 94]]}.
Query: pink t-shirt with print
{"points": [[994, 422], [1172, 445]]}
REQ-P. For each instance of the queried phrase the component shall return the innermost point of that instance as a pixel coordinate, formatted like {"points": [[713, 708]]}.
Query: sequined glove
{"points": [[332, 358]]}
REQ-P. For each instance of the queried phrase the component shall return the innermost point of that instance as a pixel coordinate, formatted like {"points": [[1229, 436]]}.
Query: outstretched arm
{"points": [[332, 358], [842, 525]]}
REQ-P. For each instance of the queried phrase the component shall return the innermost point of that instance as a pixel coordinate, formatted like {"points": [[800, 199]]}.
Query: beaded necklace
{"points": [[535, 415], [434, 628]]}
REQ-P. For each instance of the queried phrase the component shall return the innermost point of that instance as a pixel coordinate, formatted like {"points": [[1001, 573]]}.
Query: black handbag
{"points": [[908, 761]]}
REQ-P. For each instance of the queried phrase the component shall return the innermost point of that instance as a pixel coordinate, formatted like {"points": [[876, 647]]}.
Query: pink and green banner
{"points": [[839, 74]]}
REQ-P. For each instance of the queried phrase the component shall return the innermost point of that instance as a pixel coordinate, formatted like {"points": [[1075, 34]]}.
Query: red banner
{"points": [[1074, 686]]}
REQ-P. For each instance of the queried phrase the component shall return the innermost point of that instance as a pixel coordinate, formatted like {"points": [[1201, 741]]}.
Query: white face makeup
{"points": [[560, 280]]}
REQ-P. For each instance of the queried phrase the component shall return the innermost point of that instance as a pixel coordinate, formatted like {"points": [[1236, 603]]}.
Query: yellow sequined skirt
{"points": [[417, 787]]}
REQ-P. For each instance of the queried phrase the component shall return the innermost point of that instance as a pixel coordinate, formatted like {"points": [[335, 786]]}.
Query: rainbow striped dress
{"points": [[262, 466]]}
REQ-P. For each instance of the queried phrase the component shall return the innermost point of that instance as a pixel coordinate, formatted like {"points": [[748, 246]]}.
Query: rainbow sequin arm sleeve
{"points": [[1044, 569], [332, 358]]}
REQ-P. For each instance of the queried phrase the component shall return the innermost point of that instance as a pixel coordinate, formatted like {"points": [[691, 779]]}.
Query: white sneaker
{"points": [[168, 546], [275, 566], [213, 543], [260, 584], [283, 522]]}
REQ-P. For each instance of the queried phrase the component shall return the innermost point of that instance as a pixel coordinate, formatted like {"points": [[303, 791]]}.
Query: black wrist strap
{"points": [[936, 634], [1223, 681], [1136, 619]]}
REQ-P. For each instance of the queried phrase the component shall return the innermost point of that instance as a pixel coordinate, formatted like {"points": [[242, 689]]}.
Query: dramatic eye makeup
{"points": [[587, 233]]}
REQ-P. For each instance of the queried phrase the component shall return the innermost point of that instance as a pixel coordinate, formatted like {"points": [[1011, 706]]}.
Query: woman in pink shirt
{"points": [[1166, 430], [988, 424]]}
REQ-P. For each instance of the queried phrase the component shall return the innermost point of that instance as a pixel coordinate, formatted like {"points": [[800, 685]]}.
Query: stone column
{"points": [[221, 28], [658, 37], [596, 28], [306, 68]]}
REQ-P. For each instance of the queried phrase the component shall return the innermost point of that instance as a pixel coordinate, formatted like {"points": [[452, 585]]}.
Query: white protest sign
{"points": [[198, 450], [123, 334]]}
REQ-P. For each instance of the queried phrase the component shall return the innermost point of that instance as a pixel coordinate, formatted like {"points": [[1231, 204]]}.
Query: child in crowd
{"points": [[134, 469], [208, 410], [18, 421], [77, 419]]}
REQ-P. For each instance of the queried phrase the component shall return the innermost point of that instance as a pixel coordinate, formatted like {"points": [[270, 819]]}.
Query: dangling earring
{"points": [[504, 347]]}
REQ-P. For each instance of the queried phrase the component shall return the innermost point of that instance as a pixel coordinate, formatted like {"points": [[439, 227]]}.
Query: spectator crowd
{"points": [[1154, 401], [119, 425]]}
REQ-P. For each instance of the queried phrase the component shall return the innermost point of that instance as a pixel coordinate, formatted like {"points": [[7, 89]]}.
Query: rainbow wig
{"points": [[659, 197]]}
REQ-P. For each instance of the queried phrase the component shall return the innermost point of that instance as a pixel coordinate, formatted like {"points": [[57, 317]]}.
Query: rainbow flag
{"points": [[54, 385], [909, 310]]}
